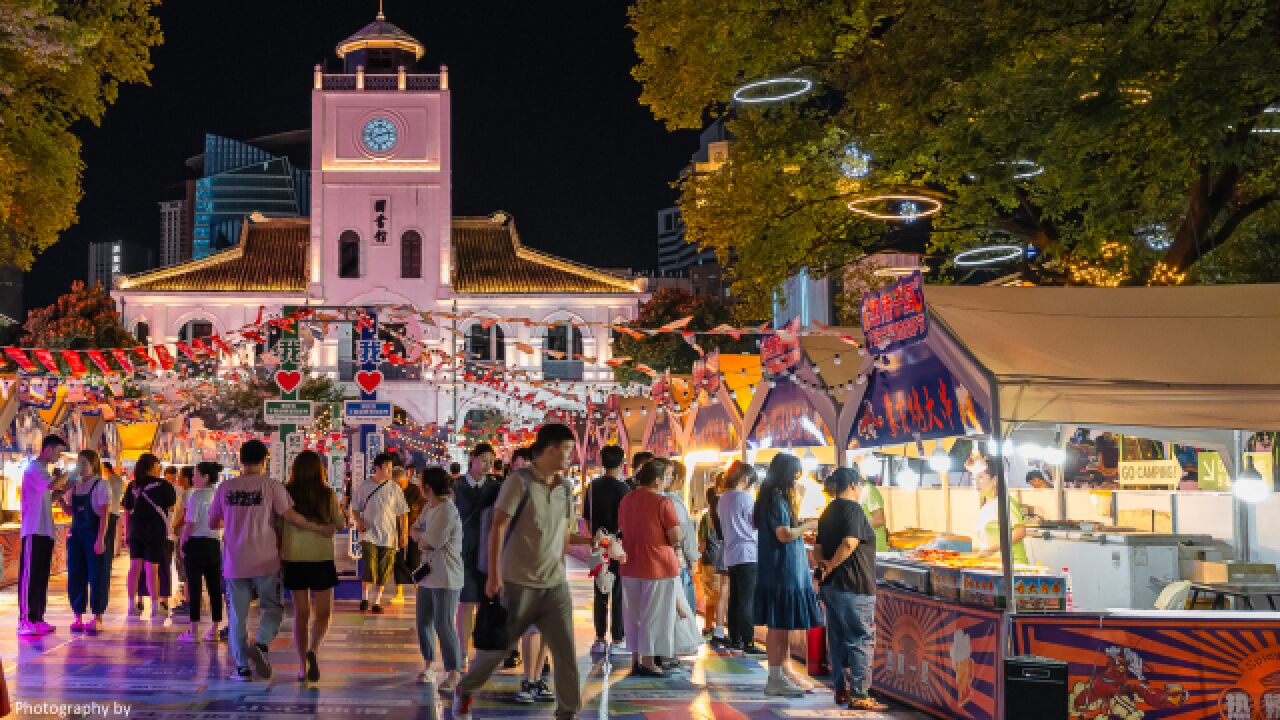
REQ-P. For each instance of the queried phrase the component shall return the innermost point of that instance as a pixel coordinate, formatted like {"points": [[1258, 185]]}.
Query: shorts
{"points": [[376, 563], [317, 576], [473, 582], [149, 547]]}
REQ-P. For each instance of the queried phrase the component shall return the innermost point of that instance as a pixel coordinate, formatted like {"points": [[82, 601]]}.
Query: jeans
{"points": [[851, 636], [742, 593], [550, 610], [436, 610], [608, 608], [270, 605]]}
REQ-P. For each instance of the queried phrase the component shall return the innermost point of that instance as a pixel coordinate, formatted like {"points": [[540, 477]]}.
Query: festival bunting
{"points": [[46, 359], [100, 361], [20, 358], [122, 356], [73, 361]]}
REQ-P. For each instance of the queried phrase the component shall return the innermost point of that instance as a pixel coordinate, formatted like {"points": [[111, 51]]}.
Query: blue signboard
{"points": [[894, 317], [373, 412], [916, 398]]}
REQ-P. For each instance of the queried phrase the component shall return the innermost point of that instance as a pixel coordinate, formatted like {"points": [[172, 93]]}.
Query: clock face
{"points": [[379, 135]]}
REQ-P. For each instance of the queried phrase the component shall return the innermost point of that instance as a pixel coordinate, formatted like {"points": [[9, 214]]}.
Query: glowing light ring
{"points": [[1026, 169], [799, 86], [934, 206], [989, 255]]}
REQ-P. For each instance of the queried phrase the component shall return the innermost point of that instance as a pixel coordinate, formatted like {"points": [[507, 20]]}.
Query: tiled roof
{"points": [[271, 257], [377, 34], [489, 259]]}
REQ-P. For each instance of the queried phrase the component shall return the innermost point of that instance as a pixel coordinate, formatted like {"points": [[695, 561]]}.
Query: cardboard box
{"points": [[1223, 572], [1204, 572]]}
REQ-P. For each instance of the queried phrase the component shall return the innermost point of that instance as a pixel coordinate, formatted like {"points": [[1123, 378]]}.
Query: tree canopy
{"points": [[61, 61], [670, 351], [82, 319], [1124, 140]]}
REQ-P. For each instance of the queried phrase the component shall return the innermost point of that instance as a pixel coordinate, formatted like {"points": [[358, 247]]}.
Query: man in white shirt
{"points": [[381, 516], [36, 556]]}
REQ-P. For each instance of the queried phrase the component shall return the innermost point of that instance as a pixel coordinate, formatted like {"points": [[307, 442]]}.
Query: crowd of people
{"points": [[485, 551]]}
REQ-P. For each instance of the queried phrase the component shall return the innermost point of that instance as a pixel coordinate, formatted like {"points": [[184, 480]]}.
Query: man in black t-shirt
{"points": [[846, 553], [600, 509]]}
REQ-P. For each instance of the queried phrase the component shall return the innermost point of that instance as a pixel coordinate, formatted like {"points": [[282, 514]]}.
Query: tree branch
{"points": [[1237, 217]]}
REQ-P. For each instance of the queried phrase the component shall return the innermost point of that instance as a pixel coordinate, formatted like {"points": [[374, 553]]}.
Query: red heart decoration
{"points": [[369, 380], [288, 380]]}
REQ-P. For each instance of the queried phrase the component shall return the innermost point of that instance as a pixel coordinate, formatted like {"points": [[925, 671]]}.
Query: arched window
{"points": [[349, 254], [486, 344], [566, 339], [411, 254], [195, 329]]}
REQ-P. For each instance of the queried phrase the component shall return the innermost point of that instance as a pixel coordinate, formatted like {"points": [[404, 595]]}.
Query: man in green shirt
{"points": [[873, 503]]}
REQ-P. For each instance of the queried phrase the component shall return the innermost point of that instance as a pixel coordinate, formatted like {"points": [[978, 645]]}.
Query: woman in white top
{"points": [[438, 533], [200, 552]]}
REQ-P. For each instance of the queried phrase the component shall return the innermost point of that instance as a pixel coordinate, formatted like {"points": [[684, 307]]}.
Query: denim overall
{"points": [[86, 581]]}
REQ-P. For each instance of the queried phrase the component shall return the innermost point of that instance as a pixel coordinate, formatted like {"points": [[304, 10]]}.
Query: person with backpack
{"points": [[86, 502], [527, 543], [246, 509], [148, 503], [600, 509]]}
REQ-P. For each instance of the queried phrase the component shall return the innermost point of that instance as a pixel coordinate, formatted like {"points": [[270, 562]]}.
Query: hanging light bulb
{"points": [[869, 465], [1249, 485], [939, 461]]}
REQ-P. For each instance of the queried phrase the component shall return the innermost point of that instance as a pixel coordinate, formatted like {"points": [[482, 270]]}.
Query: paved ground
{"points": [[368, 665]]}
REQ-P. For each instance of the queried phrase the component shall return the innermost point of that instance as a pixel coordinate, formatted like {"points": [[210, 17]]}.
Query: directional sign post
{"points": [[367, 412], [287, 413], [288, 377], [369, 349]]}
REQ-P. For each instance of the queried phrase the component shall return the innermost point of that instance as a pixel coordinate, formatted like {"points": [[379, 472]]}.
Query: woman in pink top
{"points": [[650, 573]]}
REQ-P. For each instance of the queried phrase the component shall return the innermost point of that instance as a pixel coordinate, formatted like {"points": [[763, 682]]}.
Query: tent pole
{"points": [[1002, 500], [1239, 508]]}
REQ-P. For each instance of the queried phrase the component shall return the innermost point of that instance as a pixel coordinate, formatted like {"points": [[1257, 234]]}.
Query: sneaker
{"points": [[462, 706], [77, 626], [258, 656], [44, 627], [866, 702], [188, 637], [223, 634], [426, 677], [93, 628], [619, 648], [137, 609], [450, 682], [599, 648], [512, 660], [242, 674], [364, 606], [26, 629], [781, 687], [525, 694], [376, 609], [313, 667], [542, 693], [752, 650], [842, 698]]}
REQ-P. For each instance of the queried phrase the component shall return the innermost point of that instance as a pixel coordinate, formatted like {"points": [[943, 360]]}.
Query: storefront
{"points": [[1020, 380]]}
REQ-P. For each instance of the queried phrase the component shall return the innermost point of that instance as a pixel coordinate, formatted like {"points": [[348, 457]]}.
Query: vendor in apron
{"points": [[988, 535]]}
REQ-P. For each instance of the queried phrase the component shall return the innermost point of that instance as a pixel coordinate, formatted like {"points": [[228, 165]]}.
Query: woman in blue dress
{"points": [[785, 599]]}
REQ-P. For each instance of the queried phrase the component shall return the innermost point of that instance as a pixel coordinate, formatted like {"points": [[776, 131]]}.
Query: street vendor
{"points": [[873, 503], [988, 535]]}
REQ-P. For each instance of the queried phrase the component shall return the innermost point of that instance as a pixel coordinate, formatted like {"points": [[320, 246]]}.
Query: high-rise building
{"points": [[175, 233], [240, 179], [676, 255], [109, 259]]}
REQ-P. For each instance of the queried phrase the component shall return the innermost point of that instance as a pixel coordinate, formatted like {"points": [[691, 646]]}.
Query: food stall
{"points": [[1019, 371]]}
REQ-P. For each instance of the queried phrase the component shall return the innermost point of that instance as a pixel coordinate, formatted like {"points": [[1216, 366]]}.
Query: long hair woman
{"points": [[87, 503], [309, 571], [147, 503], [650, 572], [784, 598], [711, 568], [200, 551]]}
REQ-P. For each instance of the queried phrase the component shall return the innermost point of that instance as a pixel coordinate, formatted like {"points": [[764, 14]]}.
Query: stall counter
{"points": [[11, 546]]}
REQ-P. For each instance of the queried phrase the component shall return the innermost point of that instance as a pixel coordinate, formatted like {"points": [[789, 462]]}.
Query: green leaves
{"points": [[60, 62]]}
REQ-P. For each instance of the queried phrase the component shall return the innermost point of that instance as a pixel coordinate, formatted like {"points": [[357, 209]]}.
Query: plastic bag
{"points": [[491, 626], [687, 638]]}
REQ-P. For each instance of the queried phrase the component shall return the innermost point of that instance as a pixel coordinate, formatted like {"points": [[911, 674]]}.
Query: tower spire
{"points": [[380, 15]]}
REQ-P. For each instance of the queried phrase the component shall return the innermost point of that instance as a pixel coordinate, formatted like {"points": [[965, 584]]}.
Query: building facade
{"points": [[676, 255], [381, 233], [175, 235], [238, 180], [107, 260]]}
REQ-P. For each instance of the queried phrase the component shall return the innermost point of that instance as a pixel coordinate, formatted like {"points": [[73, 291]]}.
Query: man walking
{"points": [[527, 544], [247, 508], [600, 509], [380, 511], [472, 493], [36, 556]]}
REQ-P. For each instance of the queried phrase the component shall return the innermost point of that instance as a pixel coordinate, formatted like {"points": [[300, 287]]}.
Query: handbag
{"points": [[491, 626]]}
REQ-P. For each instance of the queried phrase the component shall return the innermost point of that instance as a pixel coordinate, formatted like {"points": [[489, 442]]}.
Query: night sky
{"points": [[546, 123]]}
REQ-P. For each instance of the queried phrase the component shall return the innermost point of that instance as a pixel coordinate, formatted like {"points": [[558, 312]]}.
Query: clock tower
{"points": [[380, 157]]}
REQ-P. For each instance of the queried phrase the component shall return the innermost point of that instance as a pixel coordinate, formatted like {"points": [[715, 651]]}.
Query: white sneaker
{"points": [[619, 649], [426, 677], [782, 688], [599, 648], [524, 695], [44, 627]]}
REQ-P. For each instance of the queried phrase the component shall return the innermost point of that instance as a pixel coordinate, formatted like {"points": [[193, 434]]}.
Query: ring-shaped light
{"points": [[858, 206], [776, 89], [987, 255]]}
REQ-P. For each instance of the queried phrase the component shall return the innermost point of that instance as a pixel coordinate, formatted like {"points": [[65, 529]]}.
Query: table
{"points": [[1242, 592]]}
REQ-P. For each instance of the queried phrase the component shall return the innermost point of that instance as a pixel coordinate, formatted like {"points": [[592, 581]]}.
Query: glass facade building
{"points": [[238, 180]]}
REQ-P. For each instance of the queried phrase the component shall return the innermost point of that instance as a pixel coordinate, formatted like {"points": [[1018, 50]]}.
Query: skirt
{"points": [[649, 615], [317, 576], [779, 607]]}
